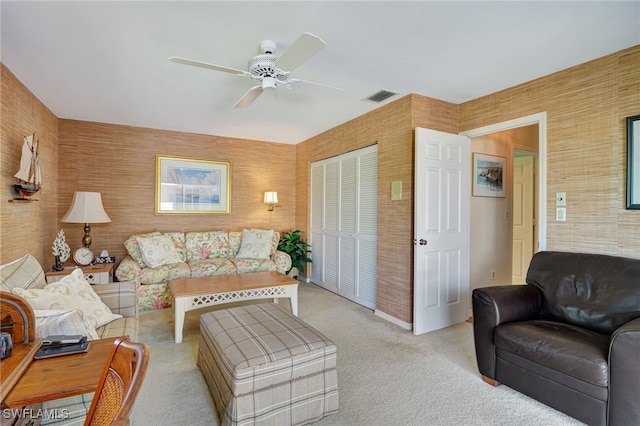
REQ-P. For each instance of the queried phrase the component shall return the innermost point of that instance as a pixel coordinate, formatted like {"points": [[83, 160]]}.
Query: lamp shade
{"points": [[86, 208], [270, 197]]}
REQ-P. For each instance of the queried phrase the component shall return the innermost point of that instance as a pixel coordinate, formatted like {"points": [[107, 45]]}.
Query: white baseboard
{"points": [[394, 320]]}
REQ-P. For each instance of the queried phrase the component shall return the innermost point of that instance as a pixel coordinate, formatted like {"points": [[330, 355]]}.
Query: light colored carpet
{"points": [[386, 375]]}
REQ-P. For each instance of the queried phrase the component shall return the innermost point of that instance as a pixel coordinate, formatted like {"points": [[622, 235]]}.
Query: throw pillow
{"points": [[256, 244], [54, 322], [25, 272], [158, 251], [131, 244], [71, 292]]}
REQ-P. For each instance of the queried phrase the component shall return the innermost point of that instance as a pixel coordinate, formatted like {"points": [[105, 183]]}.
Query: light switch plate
{"points": [[561, 214], [561, 198]]}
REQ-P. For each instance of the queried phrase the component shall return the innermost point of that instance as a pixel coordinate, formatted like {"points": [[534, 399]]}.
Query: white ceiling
{"points": [[107, 61]]}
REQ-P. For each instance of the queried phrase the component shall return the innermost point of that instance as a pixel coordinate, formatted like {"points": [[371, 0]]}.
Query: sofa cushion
{"points": [[244, 266], [179, 243], [71, 292], [256, 244], [587, 290], [165, 273], [207, 245], [119, 296], [120, 327], [207, 267], [565, 348], [25, 272], [158, 251], [275, 240], [131, 244], [62, 322], [235, 240]]}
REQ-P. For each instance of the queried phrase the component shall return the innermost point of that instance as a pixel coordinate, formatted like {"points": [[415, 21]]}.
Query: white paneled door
{"points": [[441, 222], [344, 224], [523, 210]]}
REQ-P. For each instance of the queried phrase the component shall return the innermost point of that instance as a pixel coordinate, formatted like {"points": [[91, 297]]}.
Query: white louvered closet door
{"points": [[343, 224]]}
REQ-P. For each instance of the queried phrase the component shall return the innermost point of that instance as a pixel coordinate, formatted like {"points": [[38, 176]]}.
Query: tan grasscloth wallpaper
{"points": [[586, 108]]}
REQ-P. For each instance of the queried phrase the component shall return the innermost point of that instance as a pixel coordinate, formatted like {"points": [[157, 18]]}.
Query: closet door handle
{"points": [[423, 242]]}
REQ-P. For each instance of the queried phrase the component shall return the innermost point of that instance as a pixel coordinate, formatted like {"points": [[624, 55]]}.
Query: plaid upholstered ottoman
{"points": [[265, 366]]}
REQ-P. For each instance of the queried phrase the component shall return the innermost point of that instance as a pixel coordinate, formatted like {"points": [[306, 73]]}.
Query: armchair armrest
{"points": [[624, 382], [121, 297], [496, 305], [282, 260], [128, 270]]}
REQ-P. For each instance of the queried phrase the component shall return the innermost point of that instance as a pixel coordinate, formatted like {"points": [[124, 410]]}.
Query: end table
{"points": [[94, 274]]}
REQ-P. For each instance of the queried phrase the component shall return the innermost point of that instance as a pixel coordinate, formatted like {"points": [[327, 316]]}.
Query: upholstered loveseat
{"points": [[155, 258], [569, 338], [114, 314], [72, 306]]}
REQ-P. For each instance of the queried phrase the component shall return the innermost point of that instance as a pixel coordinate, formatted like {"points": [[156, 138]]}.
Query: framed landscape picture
{"points": [[488, 175], [191, 186]]}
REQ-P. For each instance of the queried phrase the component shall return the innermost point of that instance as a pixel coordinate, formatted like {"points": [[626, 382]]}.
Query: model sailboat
{"points": [[29, 174]]}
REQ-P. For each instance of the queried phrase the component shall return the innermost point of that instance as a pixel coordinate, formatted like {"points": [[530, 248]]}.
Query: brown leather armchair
{"points": [[569, 338]]}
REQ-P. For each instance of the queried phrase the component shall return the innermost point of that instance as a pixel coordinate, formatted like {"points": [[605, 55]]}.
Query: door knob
{"points": [[423, 242]]}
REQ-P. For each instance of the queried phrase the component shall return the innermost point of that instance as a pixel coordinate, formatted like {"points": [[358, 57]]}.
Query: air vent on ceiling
{"points": [[380, 96]]}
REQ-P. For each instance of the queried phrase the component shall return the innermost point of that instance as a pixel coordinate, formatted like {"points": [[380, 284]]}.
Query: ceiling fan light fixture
{"points": [[269, 83]]}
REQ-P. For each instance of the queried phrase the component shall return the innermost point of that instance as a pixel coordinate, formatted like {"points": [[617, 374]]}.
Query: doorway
{"points": [[495, 231]]}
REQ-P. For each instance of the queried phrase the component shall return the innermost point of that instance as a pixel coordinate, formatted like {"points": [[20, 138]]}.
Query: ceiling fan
{"points": [[270, 69]]}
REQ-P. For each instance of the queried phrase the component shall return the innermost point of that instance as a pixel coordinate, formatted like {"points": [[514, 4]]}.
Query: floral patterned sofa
{"points": [[155, 258]]}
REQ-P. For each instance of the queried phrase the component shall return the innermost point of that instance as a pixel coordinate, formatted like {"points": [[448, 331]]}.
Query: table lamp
{"points": [[86, 208]]}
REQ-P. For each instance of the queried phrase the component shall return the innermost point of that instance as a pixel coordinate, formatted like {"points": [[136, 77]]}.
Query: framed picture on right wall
{"points": [[633, 162], [488, 175]]}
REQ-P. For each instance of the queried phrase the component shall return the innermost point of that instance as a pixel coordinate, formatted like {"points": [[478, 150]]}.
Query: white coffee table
{"points": [[196, 293]]}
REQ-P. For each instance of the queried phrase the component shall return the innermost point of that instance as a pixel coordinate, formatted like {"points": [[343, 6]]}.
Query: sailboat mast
{"points": [[29, 162]]}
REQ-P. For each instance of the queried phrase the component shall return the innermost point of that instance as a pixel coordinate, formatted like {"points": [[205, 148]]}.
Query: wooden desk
{"points": [[12, 368], [59, 377]]}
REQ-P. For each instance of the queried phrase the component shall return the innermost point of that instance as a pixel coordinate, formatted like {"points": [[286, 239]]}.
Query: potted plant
{"points": [[293, 244]]}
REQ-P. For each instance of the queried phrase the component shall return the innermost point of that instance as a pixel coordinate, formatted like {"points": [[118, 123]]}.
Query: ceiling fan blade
{"points": [[306, 46], [249, 97], [191, 62], [323, 88]]}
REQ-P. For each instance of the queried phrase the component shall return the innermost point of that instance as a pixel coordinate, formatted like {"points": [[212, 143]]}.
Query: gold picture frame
{"points": [[192, 186]]}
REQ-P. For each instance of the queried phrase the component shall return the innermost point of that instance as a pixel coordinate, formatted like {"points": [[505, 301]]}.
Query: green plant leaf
{"points": [[299, 250]]}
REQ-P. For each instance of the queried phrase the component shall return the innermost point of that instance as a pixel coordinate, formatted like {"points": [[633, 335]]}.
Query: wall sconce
{"points": [[271, 200], [86, 208]]}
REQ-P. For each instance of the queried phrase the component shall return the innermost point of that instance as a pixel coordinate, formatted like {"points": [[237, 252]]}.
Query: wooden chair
{"points": [[17, 318], [119, 384]]}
